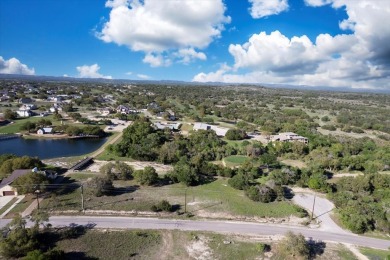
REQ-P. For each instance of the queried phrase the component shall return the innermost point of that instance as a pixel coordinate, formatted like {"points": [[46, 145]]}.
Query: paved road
{"points": [[247, 228]]}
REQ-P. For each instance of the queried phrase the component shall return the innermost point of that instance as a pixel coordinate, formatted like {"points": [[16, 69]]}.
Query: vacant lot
{"points": [[163, 244], [215, 200]]}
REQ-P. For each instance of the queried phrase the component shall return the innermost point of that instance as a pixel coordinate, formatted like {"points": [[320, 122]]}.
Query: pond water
{"points": [[50, 148]]}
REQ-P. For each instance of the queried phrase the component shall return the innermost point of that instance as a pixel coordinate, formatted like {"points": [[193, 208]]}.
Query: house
{"points": [[5, 186], [105, 111], [126, 110], [289, 137], [162, 126], [24, 113], [56, 107], [45, 130], [28, 107], [25, 100], [154, 106], [220, 131]]}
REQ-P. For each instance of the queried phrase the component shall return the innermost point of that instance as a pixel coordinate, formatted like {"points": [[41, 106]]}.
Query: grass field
{"points": [[235, 160], [375, 254], [215, 199], [15, 127], [113, 245]]}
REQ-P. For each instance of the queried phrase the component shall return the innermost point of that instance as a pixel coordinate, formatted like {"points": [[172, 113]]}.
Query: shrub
{"points": [[163, 205]]}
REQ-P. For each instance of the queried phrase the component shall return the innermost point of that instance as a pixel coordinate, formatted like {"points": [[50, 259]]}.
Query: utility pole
{"points": [[82, 197], [314, 202], [185, 200], [37, 193]]}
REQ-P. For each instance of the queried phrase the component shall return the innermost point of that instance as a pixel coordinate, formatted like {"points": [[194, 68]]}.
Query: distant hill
{"points": [[174, 82]]}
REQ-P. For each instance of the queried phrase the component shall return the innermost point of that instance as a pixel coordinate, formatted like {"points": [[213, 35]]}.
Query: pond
{"points": [[50, 148]]}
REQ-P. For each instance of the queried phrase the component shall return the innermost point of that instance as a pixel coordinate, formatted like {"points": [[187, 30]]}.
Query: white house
{"points": [[24, 113], [220, 131], [45, 130], [161, 126], [289, 137]]}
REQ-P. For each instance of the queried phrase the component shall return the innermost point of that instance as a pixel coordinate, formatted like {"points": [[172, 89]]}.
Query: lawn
{"points": [[21, 206], [375, 254], [9, 204], [235, 160], [15, 127]]}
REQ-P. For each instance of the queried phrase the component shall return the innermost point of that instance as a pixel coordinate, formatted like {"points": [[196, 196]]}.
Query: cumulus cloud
{"points": [[188, 55], [160, 28], [143, 76], [360, 59], [14, 66], [92, 71], [263, 8]]}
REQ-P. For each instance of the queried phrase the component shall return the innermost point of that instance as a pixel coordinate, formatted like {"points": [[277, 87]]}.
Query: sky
{"points": [[330, 43]]}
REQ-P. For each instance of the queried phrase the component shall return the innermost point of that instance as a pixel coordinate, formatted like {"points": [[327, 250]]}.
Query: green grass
{"points": [[375, 254], [218, 196], [235, 160], [215, 198], [9, 204], [15, 127], [114, 245], [21, 206]]}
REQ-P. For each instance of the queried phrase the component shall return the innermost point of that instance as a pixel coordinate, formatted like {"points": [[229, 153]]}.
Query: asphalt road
{"points": [[247, 228]]}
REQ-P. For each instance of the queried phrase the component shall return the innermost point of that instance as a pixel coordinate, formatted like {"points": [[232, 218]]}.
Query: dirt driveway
{"points": [[138, 165]]}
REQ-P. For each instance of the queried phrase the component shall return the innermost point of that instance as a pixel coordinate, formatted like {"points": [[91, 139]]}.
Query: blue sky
{"points": [[340, 43]]}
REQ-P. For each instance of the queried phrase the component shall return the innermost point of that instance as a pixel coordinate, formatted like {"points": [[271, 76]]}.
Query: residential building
{"points": [[24, 113], [220, 131], [5, 186], [162, 126], [289, 137], [45, 130]]}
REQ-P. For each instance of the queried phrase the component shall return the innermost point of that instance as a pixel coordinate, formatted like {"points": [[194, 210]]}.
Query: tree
{"points": [[261, 193], [100, 186], [28, 126], [235, 134], [10, 115], [238, 182], [31, 182], [293, 246], [19, 240], [147, 176], [117, 171], [39, 217]]}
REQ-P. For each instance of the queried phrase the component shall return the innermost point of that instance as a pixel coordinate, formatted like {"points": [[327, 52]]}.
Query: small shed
{"points": [[45, 130]]}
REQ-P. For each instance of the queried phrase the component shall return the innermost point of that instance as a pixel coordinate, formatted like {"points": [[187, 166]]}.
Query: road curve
{"points": [[247, 228]]}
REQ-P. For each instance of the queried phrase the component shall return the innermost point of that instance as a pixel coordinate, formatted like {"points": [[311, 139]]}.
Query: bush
{"points": [[147, 176], [235, 134], [329, 127], [238, 182], [163, 205]]}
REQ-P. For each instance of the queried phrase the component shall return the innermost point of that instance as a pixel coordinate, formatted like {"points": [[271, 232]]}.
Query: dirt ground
{"points": [[138, 165]]}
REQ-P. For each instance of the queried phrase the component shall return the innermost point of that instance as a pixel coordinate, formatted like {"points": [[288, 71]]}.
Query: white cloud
{"points": [[92, 71], [14, 66], [129, 73], [156, 60], [188, 55], [360, 59], [263, 8], [317, 3], [143, 76], [156, 27]]}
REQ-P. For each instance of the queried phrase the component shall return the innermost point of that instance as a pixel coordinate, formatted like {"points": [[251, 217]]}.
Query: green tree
{"points": [[10, 115], [147, 176], [100, 186], [30, 183]]}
